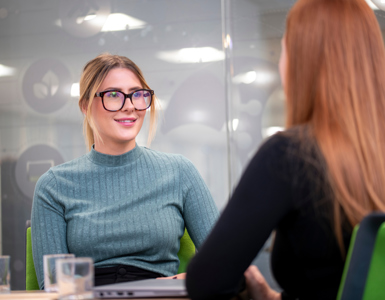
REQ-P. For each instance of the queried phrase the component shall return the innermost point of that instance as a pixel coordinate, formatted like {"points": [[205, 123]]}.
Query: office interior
{"points": [[213, 65]]}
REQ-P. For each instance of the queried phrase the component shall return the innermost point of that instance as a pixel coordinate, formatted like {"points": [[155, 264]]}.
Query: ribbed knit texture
{"points": [[128, 209]]}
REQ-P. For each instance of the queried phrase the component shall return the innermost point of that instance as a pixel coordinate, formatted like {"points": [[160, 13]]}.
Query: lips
{"points": [[129, 120]]}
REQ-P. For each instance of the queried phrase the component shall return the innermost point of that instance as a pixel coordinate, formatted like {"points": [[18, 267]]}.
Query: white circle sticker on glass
{"points": [[83, 18], [47, 85], [33, 163]]}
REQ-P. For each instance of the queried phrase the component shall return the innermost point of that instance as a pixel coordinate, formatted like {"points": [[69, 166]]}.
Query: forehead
{"points": [[122, 78]]}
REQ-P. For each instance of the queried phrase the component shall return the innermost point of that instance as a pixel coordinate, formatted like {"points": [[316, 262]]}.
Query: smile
{"points": [[126, 122]]}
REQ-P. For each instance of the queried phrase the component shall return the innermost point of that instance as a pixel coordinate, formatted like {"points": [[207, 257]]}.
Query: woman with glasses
{"points": [[123, 205], [315, 181]]}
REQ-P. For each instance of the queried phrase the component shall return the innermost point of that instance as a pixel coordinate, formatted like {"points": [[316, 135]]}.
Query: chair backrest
{"points": [[364, 272], [30, 273], [186, 252]]}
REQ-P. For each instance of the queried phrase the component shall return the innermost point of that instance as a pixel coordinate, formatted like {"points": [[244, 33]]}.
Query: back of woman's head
{"points": [[94, 72], [333, 47], [335, 73]]}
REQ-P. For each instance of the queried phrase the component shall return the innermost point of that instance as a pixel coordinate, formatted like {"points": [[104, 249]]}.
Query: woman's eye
{"points": [[112, 94], [137, 94]]}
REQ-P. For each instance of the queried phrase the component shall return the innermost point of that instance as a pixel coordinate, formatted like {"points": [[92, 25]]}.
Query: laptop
{"points": [[142, 289]]}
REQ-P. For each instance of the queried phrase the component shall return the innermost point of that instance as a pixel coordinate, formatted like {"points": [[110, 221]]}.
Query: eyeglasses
{"points": [[114, 100]]}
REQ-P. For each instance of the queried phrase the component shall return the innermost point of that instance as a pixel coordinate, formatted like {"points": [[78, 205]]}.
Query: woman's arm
{"points": [[261, 200], [47, 223], [199, 209], [257, 287]]}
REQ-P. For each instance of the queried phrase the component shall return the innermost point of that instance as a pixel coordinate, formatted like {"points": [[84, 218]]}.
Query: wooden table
{"points": [[41, 295], [25, 295]]}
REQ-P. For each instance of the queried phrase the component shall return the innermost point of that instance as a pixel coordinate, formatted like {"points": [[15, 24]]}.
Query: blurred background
{"points": [[212, 63]]}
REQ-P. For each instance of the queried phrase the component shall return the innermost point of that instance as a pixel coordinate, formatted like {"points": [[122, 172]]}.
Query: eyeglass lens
{"points": [[113, 100]]}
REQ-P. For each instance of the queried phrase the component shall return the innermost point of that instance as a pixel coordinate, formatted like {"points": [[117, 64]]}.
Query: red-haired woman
{"points": [[313, 182]]}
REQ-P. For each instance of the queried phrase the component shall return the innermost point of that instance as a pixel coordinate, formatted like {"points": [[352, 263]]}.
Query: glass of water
{"points": [[5, 274], [75, 278], [49, 264]]}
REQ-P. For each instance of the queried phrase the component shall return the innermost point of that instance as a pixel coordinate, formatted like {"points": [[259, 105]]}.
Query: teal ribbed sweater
{"points": [[128, 209]]}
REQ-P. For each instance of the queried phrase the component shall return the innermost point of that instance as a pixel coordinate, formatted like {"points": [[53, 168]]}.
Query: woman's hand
{"points": [[257, 287], [177, 276]]}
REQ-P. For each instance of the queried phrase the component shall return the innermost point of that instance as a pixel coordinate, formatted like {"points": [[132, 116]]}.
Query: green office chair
{"points": [[30, 274], [364, 271], [186, 252]]}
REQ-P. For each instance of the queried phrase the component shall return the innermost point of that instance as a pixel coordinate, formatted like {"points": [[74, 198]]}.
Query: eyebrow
{"points": [[119, 89]]}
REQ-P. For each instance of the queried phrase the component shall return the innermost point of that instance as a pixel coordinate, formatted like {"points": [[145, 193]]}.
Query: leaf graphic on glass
{"points": [[48, 87]]}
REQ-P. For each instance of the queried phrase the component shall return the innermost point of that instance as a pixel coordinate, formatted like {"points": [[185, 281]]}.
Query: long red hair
{"points": [[335, 85]]}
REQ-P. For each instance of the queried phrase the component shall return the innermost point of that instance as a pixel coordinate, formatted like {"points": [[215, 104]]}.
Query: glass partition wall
{"points": [[212, 64]]}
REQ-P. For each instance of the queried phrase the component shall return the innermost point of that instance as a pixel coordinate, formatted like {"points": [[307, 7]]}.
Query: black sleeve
{"points": [[261, 199]]}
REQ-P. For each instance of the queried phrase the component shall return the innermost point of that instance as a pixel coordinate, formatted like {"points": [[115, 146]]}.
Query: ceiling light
{"points": [[119, 22], [192, 55], [75, 90], [235, 124], [245, 78], [80, 20], [372, 5], [264, 77], [6, 71], [89, 17], [260, 77]]}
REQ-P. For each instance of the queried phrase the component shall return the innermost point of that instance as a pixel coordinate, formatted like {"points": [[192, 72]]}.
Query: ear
{"points": [[85, 108]]}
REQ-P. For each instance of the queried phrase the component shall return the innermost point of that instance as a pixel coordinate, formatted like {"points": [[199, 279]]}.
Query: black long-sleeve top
{"points": [[283, 188]]}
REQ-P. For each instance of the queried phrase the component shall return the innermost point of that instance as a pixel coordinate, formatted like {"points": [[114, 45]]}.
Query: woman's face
{"points": [[119, 129], [283, 62]]}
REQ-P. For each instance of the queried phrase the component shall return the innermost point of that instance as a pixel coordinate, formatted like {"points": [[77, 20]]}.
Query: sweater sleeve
{"points": [[199, 209], [48, 225], [260, 201]]}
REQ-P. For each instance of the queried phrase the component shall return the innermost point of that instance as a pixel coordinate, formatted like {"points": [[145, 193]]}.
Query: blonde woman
{"points": [[123, 205], [314, 182]]}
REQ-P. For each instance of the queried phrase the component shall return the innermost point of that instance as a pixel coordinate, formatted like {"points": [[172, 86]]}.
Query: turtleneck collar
{"points": [[115, 160]]}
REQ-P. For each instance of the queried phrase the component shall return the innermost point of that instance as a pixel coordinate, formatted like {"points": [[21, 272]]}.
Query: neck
{"points": [[115, 149]]}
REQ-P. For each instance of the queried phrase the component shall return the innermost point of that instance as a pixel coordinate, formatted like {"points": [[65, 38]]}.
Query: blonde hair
{"points": [[335, 73], [94, 72]]}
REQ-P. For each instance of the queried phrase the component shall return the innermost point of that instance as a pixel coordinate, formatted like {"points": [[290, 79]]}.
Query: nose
{"points": [[128, 106]]}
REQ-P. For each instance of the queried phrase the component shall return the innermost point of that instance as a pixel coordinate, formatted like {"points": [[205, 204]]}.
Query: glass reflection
{"points": [[180, 47]]}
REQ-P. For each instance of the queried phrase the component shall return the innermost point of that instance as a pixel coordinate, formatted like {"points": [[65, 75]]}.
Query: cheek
{"points": [[141, 114], [99, 115]]}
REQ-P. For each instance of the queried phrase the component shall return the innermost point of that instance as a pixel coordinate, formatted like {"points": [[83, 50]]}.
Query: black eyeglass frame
{"points": [[101, 95]]}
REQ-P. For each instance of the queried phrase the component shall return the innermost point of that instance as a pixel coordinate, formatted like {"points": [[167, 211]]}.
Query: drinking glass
{"points": [[5, 274], [50, 282], [75, 278]]}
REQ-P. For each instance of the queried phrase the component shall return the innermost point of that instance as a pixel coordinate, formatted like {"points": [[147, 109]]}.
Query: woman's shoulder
{"points": [[294, 138], [292, 147], [70, 164], [66, 167], [162, 155], [174, 159], [280, 141]]}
